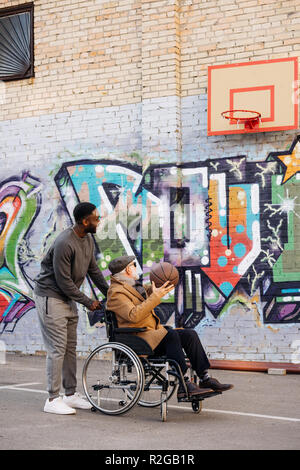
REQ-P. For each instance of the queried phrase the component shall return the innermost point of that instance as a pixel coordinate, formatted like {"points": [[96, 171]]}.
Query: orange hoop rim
{"points": [[241, 119]]}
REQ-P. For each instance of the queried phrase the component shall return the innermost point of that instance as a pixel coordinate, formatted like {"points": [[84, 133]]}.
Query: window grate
{"points": [[16, 44]]}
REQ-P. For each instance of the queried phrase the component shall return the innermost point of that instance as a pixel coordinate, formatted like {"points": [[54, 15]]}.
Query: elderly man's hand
{"points": [[163, 290]]}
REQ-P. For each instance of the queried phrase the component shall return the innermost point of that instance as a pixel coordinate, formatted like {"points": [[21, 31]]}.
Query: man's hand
{"points": [[163, 290], [95, 305]]}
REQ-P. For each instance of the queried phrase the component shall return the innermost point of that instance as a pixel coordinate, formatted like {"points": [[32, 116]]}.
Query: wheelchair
{"points": [[125, 371]]}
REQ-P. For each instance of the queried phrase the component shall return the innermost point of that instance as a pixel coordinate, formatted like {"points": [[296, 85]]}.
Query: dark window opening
{"points": [[16, 42]]}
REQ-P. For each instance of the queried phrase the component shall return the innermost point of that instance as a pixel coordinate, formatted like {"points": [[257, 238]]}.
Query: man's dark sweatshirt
{"points": [[65, 266]]}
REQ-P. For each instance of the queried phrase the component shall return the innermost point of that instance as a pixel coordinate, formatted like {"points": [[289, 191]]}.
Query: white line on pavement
{"points": [[209, 410], [26, 389], [255, 415], [19, 385]]}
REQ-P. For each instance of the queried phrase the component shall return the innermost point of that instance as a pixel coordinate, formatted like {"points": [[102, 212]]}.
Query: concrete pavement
{"points": [[261, 412]]}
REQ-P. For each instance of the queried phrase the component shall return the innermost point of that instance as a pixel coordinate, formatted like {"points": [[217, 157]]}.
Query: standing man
{"points": [[63, 270]]}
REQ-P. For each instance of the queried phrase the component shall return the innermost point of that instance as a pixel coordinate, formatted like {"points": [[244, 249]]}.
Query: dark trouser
{"points": [[172, 344]]}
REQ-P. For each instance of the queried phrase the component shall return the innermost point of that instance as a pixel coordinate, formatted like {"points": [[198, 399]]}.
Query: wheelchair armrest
{"points": [[129, 330]]}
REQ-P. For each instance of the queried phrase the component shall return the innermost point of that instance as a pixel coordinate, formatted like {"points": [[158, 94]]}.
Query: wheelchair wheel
{"points": [[197, 406], [163, 411], [113, 378]]}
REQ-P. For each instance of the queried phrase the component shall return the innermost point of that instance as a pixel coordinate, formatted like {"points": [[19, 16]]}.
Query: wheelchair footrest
{"points": [[198, 397]]}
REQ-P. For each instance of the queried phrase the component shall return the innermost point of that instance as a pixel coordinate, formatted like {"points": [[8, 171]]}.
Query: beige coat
{"points": [[132, 310]]}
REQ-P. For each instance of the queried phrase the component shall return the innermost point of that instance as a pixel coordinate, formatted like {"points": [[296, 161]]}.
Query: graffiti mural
{"points": [[20, 200], [282, 288], [231, 227]]}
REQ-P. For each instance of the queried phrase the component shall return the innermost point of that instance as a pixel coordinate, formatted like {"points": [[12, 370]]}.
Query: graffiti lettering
{"points": [[227, 225], [230, 226]]}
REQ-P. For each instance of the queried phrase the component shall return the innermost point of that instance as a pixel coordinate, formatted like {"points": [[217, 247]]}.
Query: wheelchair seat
{"points": [[127, 336]]}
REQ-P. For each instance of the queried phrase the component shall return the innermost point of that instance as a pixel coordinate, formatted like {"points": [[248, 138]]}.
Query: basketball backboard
{"points": [[269, 87]]}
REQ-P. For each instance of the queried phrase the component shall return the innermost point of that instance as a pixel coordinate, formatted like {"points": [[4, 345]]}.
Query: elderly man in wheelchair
{"points": [[144, 361]]}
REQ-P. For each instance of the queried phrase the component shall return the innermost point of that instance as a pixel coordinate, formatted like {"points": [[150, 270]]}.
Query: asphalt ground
{"points": [[261, 412]]}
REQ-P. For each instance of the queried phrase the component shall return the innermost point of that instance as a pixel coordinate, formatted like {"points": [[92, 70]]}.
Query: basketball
{"points": [[163, 272]]}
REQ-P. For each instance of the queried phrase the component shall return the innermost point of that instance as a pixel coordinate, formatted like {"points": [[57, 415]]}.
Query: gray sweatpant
{"points": [[58, 321]]}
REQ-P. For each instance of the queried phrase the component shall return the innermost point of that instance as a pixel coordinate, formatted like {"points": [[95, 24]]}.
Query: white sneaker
{"points": [[77, 401], [58, 407]]}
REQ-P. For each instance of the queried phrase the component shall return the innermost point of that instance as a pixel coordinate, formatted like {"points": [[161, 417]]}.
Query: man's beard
{"points": [[91, 230]]}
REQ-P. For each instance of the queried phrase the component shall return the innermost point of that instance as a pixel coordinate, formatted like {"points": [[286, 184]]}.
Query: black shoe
{"points": [[215, 385], [193, 390]]}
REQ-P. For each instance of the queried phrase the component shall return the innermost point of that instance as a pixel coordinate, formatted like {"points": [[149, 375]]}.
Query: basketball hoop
{"points": [[250, 119]]}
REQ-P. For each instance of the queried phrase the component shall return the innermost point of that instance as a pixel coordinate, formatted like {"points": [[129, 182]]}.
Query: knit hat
{"points": [[117, 265]]}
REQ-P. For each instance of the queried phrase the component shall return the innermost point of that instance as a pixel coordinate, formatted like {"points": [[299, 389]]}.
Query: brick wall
{"points": [[96, 54], [126, 81]]}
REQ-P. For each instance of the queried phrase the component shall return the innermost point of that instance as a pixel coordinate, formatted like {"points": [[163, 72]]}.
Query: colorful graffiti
{"points": [[229, 225], [19, 204]]}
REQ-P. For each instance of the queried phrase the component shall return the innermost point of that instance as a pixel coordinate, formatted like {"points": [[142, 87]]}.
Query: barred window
{"points": [[16, 42]]}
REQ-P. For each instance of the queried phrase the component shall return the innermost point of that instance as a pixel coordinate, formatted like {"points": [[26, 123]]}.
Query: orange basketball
{"points": [[163, 272]]}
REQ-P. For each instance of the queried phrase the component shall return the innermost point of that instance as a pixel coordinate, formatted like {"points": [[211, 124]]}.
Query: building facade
{"points": [[115, 112]]}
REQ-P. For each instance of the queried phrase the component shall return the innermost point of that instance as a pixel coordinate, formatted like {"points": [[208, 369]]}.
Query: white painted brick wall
{"points": [[42, 144]]}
